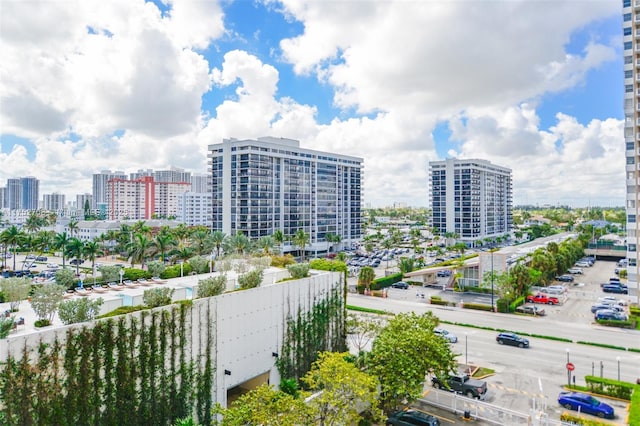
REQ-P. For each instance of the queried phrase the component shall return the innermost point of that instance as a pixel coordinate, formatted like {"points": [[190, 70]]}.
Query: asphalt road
{"points": [[528, 378]]}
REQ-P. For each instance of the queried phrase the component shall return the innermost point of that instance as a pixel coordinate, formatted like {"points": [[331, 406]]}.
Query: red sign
{"points": [[570, 366]]}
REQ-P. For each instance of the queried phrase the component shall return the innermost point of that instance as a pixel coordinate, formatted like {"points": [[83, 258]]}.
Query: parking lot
{"points": [[575, 304]]}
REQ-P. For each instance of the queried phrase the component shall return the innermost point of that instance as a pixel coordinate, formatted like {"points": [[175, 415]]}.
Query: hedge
{"points": [[384, 282], [610, 387], [477, 306]]}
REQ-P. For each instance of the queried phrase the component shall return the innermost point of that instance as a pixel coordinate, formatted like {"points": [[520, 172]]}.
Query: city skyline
{"points": [[134, 85]]}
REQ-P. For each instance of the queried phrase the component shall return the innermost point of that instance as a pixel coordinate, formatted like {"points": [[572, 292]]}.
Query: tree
{"points": [[361, 330], [60, 242], [406, 265], [278, 237], [65, 278], [13, 237], [163, 243], [156, 268], [212, 286], [34, 222], [366, 276], [333, 239], [6, 325], [266, 244], [139, 249], [79, 310], [15, 290], [75, 249], [342, 389], [91, 251], [217, 238], [403, 353], [110, 273], [300, 240], [73, 227], [201, 242], [264, 406], [200, 264], [45, 301], [298, 270], [239, 243]]}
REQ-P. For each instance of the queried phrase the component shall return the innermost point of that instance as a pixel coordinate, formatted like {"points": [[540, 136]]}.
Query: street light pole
{"points": [[466, 350], [618, 359], [492, 309]]}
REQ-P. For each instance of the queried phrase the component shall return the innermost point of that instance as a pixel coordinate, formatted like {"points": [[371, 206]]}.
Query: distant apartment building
{"points": [[194, 208], [82, 199], [200, 183], [143, 198], [470, 198], [22, 193], [53, 202], [260, 186], [3, 197], [101, 186]]}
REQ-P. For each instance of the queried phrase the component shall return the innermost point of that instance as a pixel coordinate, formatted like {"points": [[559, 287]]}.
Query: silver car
{"points": [[452, 338]]}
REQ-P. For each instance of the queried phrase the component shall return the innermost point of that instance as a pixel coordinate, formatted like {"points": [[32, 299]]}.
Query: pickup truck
{"points": [[462, 383], [542, 298]]}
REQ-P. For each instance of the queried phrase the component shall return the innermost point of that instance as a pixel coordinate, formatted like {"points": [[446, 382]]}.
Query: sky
{"points": [[533, 85]]}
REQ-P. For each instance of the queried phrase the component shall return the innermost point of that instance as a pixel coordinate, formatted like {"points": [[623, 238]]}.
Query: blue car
{"points": [[585, 403]]}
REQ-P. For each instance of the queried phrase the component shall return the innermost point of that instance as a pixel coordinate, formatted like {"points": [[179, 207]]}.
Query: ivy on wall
{"points": [[322, 328], [122, 371]]}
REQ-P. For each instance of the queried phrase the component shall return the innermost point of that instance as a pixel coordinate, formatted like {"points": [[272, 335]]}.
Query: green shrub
{"points": [[122, 310], [385, 282], [513, 305], [42, 323], [212, 286], [477, 306], [66, 278], [156, 268], [634, 407], [79, 310], [278, 261], [199, 264], [616, 323], [6, 325], [299, 270], [134, 274], [155, 297], [110, 273], [575, 419], [174, 271], [290, 386], [610, 387], [251, 279]]}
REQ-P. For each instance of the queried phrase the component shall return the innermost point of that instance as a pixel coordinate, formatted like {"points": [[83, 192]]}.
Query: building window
{"points": [[630, 146], [626, 3], [632, 247], [631, 218], [628, 74], [628, 60], [631, 262], [627, 31], [628, 88], [626, 18], [631, 160], [628, 45]]}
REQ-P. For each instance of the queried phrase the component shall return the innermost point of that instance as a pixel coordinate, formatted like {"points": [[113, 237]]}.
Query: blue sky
{"points": [[97, 87]]}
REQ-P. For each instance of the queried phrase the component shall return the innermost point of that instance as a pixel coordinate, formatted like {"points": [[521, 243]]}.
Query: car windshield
{"points": [[592, 401]]}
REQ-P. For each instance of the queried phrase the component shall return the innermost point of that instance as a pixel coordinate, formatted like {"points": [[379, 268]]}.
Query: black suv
{"points": [[565, 278], [412, 417], [512, 339], [76, 262], [400, 284]]}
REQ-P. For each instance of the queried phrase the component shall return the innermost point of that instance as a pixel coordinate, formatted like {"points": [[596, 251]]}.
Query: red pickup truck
{"points": [[542, 298]]}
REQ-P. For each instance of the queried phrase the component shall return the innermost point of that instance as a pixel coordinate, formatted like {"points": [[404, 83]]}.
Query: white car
{"points": [[575, 270], [582, 264], [611, 300], [452, 338], [52, 266]]}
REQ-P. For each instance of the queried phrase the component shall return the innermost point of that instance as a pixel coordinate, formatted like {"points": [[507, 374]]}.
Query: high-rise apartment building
{"points": [[101, 186], [81, 200], [200, 183], [470, 198], [631, 44], [194, 208], [143, 198], [260, 186], [53, 202], [22, 193]]}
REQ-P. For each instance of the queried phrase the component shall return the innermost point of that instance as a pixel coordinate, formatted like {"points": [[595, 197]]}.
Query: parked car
{"points": [[615, 288], [452, 338], [599, 306], [512, 339], [30, 257], [463, 384], [41, 258], [574, 270], [612, 300], [400, 284], [610, 315], [565, 278], [76, 262], [554, 289], [585, 403], [582, 264], [444, 273], [52, 266], [530, 310], [412, 417], [542, 298]]}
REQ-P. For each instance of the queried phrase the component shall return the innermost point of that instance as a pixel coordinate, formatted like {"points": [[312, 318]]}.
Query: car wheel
{"points": [[568, 406], [550, 303], [469, 394], [601, 415], [436, 385], [521, 345], [500, 342]]}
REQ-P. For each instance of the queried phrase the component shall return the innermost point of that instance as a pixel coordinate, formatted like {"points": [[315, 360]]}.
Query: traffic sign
{"points": [[570, 366]]}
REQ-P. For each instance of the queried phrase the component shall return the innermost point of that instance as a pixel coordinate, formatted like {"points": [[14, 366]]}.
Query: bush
{"points": [[212, 286], [174, 271], [156, 268], [6, 325], [66, 278], [477, 306], [282, 261], [45, 301], [299, 270], [42, 323], [616, 323], [122, 310], [80, 310], [134, 274], [385, 282], [157, 297], [199, 264], [251, 279], [15, 291], [110, 273]]}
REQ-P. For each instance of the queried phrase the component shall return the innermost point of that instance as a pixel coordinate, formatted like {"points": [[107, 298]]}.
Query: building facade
{"points": [[53, 202], [143, 198], [260, 186], [470, 198], [101, 186], [22, 193], [631, 44], [194, 208]]}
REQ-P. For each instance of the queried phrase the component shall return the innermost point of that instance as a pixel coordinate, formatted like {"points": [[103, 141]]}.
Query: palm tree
{"points": [[92, 250], [44, 240], [301, 239], [182, 253], [267, 244], [75, 249], [218, 237], [279, 237], [201, 242], [181, 232], [366, 276], [139, 249], [239, 243], [60, 242], [140, 227], [13, 237], [73, 227], [163, 243], [333, 239], [34, 222]]}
